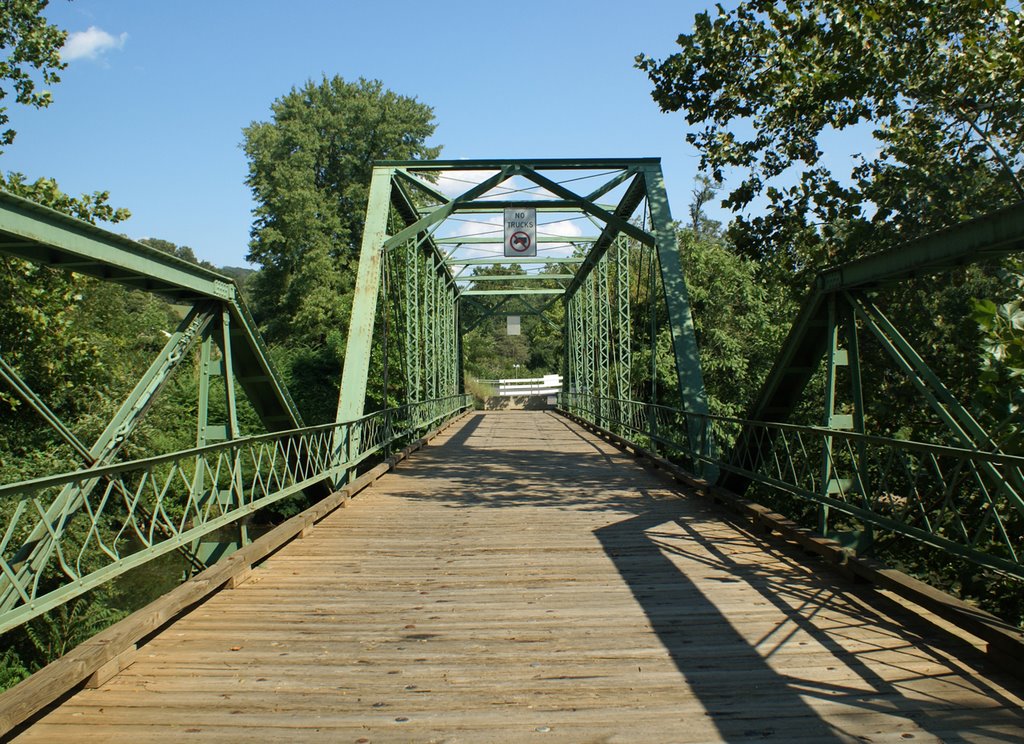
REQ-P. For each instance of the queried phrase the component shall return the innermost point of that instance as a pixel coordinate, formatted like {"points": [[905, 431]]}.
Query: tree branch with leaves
{"points": [[941, 84]]}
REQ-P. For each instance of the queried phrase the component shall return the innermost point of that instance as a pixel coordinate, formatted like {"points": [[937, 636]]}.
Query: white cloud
{"points": [[91, 43], [453, 184]]}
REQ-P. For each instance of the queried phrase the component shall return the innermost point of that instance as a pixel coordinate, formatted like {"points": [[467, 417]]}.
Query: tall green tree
{"points": [[941, 85], [30, 50], [309, 171]]}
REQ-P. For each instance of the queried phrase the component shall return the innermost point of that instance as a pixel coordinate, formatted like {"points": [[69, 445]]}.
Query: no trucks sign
{"points": [[520, 232]]}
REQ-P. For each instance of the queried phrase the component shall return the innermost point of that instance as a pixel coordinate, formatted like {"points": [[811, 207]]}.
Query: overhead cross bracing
{"points": [[441, 223]]}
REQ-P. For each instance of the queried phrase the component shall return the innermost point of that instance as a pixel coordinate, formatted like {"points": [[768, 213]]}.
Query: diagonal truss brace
{"points": [[39, 546]]}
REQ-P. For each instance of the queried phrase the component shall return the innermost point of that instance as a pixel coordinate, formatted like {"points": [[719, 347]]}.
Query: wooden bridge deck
{"points": [[525, 581]]}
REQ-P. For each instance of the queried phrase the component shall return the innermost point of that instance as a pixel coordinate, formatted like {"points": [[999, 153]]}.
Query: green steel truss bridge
{"points": [[605, 245]]}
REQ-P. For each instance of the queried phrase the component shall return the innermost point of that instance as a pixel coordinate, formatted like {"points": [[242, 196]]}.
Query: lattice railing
{"points": [[69, 533], [962, 501]]}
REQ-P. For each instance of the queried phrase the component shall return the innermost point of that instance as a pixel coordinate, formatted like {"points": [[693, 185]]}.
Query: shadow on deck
{"points": [[732, 673], [524, 580]]}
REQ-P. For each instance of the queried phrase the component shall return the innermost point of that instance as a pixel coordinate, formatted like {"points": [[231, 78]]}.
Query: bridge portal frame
{"points": [[406, 208]]}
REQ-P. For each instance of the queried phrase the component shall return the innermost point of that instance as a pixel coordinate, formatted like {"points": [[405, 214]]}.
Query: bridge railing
{"points": [[69, 533], [965, 502]]}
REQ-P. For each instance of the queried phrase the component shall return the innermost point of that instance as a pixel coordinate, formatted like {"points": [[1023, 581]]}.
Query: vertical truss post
{"points": [[352, 396], [693, 398], [460, 372], [568, 345], [206, 374], [579, 341], [229, 375], [419, 310], [412, 362], [427, 338], [862, 482], [451, 349], [842, 353], [589, 336], [444, 364], [434, 321], [622, 334], [652, 335], [604, 339], [210, 551], [386, 307], [835, 357], [575, 341]]}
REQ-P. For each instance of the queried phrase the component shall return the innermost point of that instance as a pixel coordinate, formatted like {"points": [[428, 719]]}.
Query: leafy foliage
{"points": [[60, 630], [1001, 392], [42, 338], [734, 315], [31, 53], [489, 352], [12, 669], [81, 344], [309, 171], [941, 84]]}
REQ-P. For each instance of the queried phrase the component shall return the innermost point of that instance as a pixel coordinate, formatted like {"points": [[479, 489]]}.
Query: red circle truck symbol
{"points": [[519, 242]]}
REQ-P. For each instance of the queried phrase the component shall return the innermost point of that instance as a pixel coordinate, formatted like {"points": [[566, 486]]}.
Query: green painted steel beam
{"points": [[405, 209], [512, 278], [608, 218], [635, 194], [611, 184], [24, 391], [488, 205], [499, 239], [352, 396], [798, 359], [500, 261], [39, 545], [540, 163], [45, 236], [446, 210], [519, 305], [404, 204], [541, 204], [996, 234], [423, 186], [256, 374], [991, 236], [479, 292], [673, 281], [957, 418]]}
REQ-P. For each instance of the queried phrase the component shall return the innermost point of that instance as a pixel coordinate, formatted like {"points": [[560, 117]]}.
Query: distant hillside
{"points": [[238, 273]]}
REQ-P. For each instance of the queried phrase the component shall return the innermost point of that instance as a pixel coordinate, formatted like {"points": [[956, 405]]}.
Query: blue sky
{"points": [[156, 116]]}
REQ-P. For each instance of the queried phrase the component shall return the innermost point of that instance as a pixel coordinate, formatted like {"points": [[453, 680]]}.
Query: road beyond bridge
{"points": [[524, 580]]}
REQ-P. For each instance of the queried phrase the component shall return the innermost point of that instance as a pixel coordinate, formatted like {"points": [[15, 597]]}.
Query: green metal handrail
{"points": [[945, 497], [133, 512]]}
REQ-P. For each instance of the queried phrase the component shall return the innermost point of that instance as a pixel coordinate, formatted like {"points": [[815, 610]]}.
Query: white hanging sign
{"points": [[520, 232]]}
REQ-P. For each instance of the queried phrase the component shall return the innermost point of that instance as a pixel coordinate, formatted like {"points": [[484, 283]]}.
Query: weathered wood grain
{"points": [[521, 579]]}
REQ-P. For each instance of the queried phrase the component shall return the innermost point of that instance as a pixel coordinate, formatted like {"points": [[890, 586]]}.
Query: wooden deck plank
{"points": [[521, 580]]}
